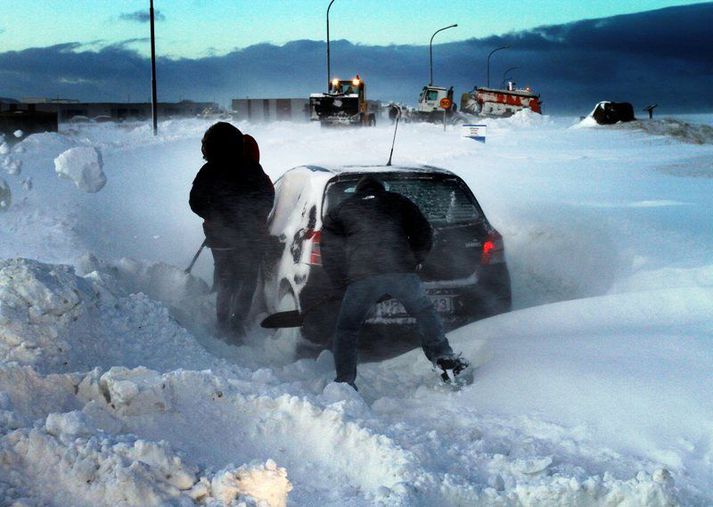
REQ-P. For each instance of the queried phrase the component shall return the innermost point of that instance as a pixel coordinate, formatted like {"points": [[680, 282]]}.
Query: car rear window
{"points": [[441, 200]]}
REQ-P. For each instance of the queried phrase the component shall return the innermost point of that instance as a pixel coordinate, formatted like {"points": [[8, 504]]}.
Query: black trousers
{"points": [[235, 279]]}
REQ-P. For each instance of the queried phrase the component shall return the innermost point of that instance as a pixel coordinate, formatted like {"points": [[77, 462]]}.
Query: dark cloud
{"points": [[141, 16], [659, 56]]}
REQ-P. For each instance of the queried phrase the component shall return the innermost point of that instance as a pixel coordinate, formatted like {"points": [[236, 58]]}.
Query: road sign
{"points": [[477, 132], [445, 103]]}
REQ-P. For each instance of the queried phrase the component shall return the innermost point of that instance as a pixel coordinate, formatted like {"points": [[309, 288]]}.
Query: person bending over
{"points": [[373, 243]]}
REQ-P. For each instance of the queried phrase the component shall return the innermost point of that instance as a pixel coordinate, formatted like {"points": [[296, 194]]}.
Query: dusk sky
{"points": [[573, 53], [196, 28]]}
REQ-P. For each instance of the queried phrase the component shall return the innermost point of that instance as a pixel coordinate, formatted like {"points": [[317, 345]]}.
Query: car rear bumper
{"points": [[457, 302], [455, 307]]}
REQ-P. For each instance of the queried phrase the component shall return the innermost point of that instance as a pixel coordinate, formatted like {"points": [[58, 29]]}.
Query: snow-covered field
{"points": [[596, 390]]}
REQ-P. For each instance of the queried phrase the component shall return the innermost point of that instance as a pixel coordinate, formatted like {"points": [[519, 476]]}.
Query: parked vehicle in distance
{"points": [[465, 274]]}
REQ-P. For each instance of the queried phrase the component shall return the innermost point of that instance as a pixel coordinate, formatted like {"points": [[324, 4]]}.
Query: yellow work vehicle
{"points": [[344, 104]]}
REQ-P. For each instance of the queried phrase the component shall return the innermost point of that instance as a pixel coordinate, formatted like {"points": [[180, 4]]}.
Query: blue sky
{"points": [[97, 50], [197, 28]]}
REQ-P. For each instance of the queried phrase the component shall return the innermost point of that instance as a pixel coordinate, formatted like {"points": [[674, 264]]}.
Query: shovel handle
{"points": [[195, 257]]}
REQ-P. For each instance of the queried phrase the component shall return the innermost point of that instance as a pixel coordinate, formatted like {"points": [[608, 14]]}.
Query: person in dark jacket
{"points": [[373, 243], [234, 197]]}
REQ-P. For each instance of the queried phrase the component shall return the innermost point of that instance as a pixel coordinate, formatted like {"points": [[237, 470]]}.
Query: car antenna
{"points": [[398, 117]]}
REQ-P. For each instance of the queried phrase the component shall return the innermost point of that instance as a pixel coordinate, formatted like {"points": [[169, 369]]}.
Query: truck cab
{"points": [[429, 100]]}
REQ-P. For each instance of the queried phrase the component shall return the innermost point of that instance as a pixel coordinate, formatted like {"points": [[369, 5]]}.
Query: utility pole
{"points": [[329, 68], [430, 52], [154, 103]]}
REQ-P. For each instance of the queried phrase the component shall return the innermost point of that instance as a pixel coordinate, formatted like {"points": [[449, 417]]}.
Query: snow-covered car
{"points": [[465, 274]]}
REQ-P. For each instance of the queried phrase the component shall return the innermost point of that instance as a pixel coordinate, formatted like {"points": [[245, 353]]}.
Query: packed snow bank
{"points": [[267, 484], [587, 122], [600, 382], [37, 303], [177, 436], [66, 463], [55, 320], [82, 165], [524, 118], [679, 130], [68, 460]]}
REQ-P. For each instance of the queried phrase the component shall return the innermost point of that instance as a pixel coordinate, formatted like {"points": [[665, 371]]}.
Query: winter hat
{"points": [[368, 184], [222, 141]]}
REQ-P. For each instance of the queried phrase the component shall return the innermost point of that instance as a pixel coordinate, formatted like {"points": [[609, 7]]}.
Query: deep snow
{"points": [[594, 391]]}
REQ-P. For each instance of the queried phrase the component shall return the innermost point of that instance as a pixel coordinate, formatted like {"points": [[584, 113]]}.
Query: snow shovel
{"points": [[195, 257], [293, 318]]}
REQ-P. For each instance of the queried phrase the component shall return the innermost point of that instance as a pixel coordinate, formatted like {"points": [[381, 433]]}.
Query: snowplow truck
{"points": [[499, 103], [344, 104], [429, 104]]}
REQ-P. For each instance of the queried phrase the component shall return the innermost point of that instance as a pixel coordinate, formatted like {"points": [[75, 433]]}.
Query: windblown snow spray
{"points": [[476, 132]]}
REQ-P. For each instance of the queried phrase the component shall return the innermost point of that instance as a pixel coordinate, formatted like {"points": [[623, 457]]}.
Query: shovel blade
{"points": [[292, 318]]}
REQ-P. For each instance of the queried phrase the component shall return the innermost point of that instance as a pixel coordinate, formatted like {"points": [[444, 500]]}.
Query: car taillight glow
{"points": [[315, 255], [493, 249]]}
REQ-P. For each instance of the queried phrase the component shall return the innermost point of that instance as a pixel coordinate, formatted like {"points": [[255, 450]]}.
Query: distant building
{"points": [[16, 123], [67, 109], [265, 110], [47, 100]]}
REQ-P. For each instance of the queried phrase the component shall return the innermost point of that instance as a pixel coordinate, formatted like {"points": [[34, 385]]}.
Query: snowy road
{"points": [[595, 391]]}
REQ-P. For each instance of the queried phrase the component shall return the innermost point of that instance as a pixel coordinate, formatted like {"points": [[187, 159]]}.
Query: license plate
{"points": [[393, 308]]}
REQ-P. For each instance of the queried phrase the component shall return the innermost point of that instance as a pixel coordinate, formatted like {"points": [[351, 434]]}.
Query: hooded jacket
{"points": [[373, 232], [231, 193]]}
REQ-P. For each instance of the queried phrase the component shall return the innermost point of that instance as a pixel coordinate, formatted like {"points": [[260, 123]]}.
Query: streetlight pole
{"points": [[430, 51], [154, 104], [506, 72], [491, 54], [329, 68]]}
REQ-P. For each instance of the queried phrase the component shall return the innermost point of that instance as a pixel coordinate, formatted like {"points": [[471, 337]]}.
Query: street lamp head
{"points": [[430, 50], [491, 54], [329, 70]]}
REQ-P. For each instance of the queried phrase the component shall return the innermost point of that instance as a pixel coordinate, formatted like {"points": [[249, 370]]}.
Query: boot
{"points": [[453, 364]]}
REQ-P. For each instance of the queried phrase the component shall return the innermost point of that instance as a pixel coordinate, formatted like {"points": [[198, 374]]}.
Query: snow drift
{"points": [[113, 388]]}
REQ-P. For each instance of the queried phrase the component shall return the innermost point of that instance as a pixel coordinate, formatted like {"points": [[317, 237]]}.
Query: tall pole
{"points": [[154, 103], [491, 54], [329, 64], [430, 52]]}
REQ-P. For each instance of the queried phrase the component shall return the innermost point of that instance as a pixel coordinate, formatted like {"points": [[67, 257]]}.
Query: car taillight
{"points": [[315, 255], [493, 249]]}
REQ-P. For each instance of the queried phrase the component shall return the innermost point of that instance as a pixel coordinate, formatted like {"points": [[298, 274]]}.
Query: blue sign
{"points": [[477, 132]]}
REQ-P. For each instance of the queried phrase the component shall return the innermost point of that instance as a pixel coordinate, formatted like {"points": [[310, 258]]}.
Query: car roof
{"points": [[344, 170]]}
